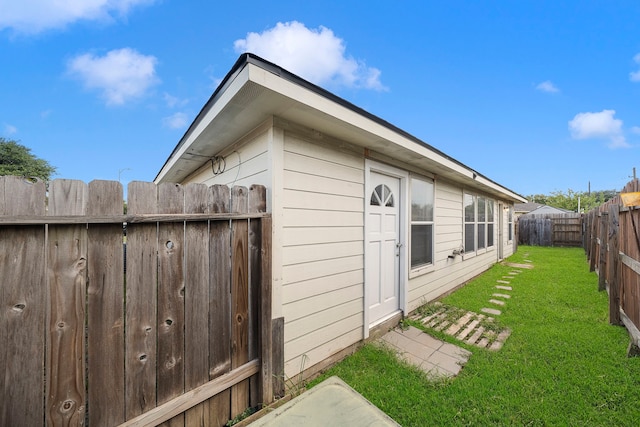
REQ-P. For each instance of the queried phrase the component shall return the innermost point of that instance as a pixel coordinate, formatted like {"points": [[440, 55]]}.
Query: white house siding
{"points": [[246, 163], [322, 250], [449, 273]]}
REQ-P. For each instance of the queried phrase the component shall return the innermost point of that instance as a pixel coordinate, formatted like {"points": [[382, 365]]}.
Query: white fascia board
{"points": [[355, 120], [214, 109]]}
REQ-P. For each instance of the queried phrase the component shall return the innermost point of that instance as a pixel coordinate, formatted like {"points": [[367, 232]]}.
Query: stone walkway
{"points": [[479, 329], [471, 328]]}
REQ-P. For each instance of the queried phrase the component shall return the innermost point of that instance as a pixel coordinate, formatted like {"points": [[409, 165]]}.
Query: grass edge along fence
{"points": [[612, 245], [183, 334]]}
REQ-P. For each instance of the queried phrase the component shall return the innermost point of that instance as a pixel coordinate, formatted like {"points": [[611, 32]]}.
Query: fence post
{"points": [[594, 240], [602, 273], [615, 267]]}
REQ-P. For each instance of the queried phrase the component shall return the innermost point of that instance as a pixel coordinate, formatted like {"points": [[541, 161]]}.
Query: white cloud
{"points": [[635, 129], [600, 125], [547, 86], [10, 129], [176, 121], [314, 54], [635, 76], [34, 16], [120, 75], [173, 101]]}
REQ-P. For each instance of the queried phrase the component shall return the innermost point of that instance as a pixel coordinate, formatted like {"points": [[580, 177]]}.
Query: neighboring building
{"points": [[369, 222], [538, 209], [525, 208]]}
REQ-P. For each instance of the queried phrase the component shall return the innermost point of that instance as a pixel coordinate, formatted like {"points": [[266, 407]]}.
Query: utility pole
{"points": [[120, 172]]}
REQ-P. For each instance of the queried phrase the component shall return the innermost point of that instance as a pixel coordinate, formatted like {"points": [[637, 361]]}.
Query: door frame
{"points": [[501, 228], [403, 176]]}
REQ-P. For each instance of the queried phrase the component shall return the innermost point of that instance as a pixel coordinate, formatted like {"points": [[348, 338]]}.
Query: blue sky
{"points": [[539, 96]]}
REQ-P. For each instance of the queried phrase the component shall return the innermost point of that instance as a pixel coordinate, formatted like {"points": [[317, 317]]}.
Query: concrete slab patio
{"points": [[330, 403]]}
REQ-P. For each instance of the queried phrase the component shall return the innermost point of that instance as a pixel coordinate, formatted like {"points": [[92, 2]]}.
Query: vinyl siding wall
{"points": [[322, 250], [246, 163], [315, 189], [450, 273]]}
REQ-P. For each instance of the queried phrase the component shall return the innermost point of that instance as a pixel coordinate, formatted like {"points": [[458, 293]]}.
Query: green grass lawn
{"points": [[563, 364]]}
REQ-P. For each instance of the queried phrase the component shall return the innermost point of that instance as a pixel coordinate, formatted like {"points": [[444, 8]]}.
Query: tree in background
{"points": [[569, 200], [16, 159]]}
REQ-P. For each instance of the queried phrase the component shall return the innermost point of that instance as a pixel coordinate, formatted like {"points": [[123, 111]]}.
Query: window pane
{"points": [[489, 210], [375, 201], [489, 235], [469, 208], [469, 237], [481, 236], [482, 203], [421, 200], [421, 245]]}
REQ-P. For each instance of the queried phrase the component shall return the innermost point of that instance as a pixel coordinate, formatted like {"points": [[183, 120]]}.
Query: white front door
{"points": [[383, 247]]}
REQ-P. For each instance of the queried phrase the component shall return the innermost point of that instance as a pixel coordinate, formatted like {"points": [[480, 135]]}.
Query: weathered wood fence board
{"points": [[105, 307], [612, 246], [551, 230], [23, 305], [181, 336]]}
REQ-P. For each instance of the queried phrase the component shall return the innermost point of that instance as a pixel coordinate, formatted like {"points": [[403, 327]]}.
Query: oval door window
{"points": [[382, 196]]}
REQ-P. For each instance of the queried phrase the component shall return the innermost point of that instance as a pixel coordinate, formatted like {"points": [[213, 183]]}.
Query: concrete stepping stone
{"points": [[506, 282], [442, 325], [499, 342], [517, 265], [504, 288], [468, 330], [493, 311], [505, 296], [496, 302], [455, 327], [474, 338], [434, 319]]}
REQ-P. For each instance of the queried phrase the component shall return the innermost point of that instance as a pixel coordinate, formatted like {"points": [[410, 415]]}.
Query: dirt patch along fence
{"points": [[551, 230], [183, 335], [612, 245]]}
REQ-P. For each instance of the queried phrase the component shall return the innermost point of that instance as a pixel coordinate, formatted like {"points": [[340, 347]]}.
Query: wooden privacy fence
{"points": [[551, 230], [182, 337], [612, 245]]}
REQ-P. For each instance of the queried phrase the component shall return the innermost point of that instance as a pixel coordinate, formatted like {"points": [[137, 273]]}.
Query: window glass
{"points": [[421, 245], [470, 223], [469, 208], [422, 197], [478, 223], [421, 200], [469, 237], [489, 235], [482, 203], [490, 220], [382, 195]]}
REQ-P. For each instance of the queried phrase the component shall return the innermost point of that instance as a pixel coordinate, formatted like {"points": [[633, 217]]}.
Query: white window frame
{"points": [[422, 268], [477, 224], [510, 232]]}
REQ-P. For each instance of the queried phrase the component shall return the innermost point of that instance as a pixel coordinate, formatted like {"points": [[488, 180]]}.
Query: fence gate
{"points": [[182, 335]]}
